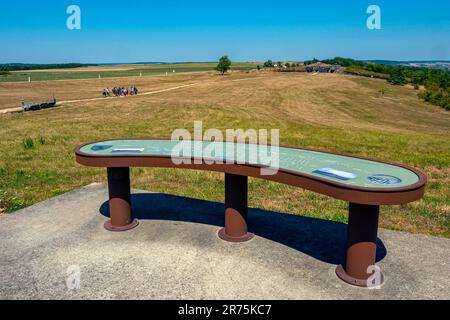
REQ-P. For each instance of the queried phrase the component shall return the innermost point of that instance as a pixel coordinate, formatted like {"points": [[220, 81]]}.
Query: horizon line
{"points": [[236, 61]]}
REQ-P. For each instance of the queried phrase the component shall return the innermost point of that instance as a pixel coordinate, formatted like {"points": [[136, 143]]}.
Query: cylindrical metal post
{"points": [[359, 268], [236, 197], [120, 200]]}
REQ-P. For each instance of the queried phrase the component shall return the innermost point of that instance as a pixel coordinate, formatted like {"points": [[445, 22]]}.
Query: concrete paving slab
{"points": [[175, 254]]}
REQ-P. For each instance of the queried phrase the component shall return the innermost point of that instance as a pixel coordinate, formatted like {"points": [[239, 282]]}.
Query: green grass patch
{"points": [[37, 160]]}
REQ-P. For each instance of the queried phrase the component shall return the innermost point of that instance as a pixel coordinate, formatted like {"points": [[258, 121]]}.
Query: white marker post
{"points": [[99, 76], [29, 79]]}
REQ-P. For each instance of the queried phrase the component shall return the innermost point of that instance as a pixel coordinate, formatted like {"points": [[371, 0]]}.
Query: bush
{"points": [[268, 64], [382, 91], [439, 98], [28, 143], [308, 62], [41, 140]]}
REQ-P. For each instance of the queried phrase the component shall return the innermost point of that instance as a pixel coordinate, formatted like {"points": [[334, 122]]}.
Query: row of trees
{"points": [[345, 62], [225, 64], [436, 82], [279, 64], [23, 67]]}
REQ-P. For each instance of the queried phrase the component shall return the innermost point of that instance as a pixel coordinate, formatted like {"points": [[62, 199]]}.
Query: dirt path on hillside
{"points": [[140, 94], [12, 110], [16, 110], [60, 103]]}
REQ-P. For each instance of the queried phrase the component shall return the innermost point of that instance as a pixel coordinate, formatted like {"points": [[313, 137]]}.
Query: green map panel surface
{"points": [[342, 169]]}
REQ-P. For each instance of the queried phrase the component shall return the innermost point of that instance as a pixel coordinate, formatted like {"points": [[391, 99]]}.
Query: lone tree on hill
{"points": [[224, 64]]}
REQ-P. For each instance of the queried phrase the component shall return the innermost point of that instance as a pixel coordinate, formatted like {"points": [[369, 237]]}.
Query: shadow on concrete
{"points": [[324, 240]]}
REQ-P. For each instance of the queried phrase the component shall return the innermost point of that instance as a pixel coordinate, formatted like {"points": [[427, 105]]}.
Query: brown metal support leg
{"points": [[360, 269], [236, 197], [120, 200]]}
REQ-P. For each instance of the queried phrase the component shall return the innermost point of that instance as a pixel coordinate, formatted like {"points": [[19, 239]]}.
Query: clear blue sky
{"points": [[170, 30]]}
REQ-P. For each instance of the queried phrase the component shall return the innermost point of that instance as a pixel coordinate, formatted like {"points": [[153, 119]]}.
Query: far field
{"points": [[334, 112], [115, 71]]}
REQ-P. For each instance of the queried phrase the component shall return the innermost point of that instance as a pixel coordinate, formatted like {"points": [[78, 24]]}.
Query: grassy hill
{"points": [[336, 112]]}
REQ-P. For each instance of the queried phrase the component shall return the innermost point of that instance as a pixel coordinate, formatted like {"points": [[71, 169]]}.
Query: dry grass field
{"points": [[115, 71], [11, 93], [334, 112], [67, 90]]}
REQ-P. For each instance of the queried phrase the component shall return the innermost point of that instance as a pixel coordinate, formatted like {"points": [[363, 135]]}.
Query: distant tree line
{"points": [[22, 67], [279, 64], [436, 82]]}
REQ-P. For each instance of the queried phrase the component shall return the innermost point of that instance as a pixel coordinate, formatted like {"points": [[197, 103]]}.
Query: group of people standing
{"points": [[120, 92]]}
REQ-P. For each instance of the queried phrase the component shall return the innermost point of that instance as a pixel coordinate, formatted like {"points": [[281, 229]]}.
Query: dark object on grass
{"points": [[38, 105]]}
